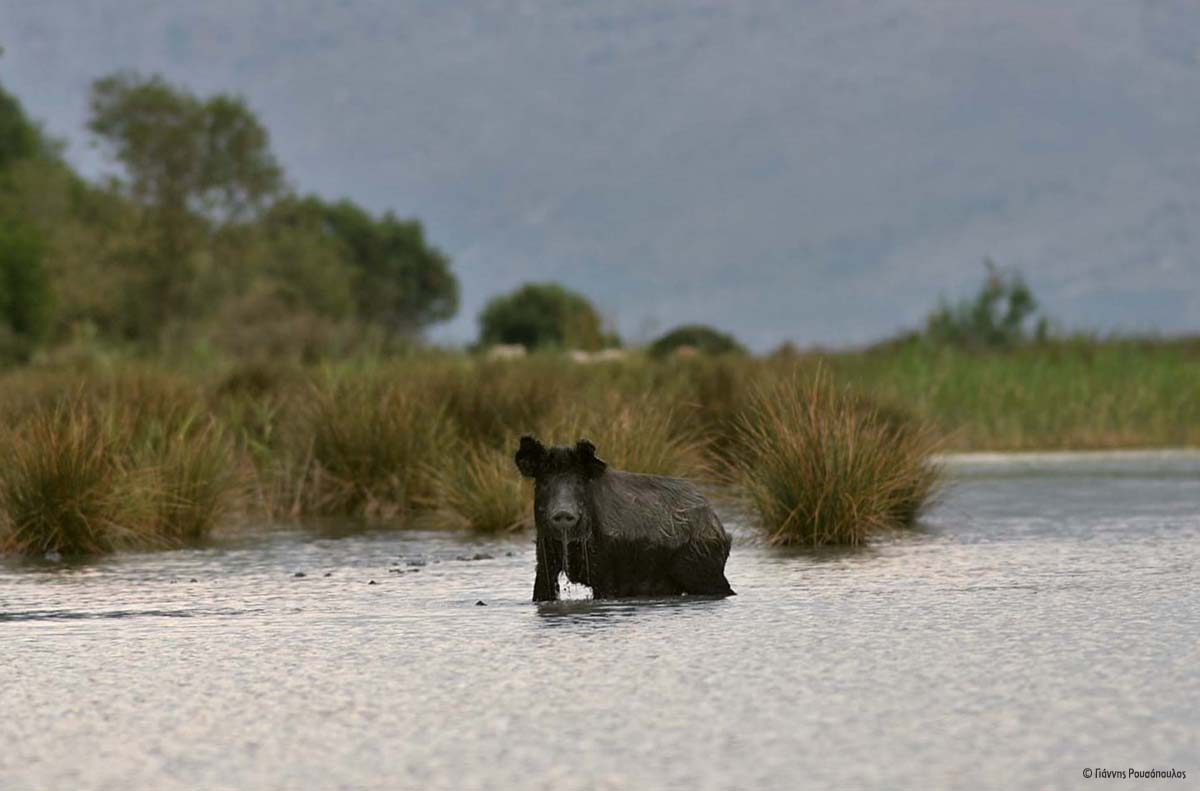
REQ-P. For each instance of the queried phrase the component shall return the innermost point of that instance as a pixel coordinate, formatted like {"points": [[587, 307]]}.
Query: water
{"points": [[1044, 622]]}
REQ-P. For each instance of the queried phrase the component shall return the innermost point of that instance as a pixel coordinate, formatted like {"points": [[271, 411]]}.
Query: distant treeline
{"points": [[200, 240], [201, 245]]}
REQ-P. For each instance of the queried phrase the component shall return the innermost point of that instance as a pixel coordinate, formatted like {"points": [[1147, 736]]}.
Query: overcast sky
{"points": [[820, 172]]}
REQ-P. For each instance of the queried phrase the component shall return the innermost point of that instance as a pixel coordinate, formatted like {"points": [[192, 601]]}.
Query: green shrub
{"points": [[20, 138], [699, 337], [996, 318], [541, 315]]}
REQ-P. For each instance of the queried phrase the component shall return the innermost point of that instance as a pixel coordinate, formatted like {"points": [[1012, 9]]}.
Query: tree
{"points": [[697, 336], [192, 164], [996, 318], [309, 267], [543, 315], [180, 152], [400, 281], [44, 208], [25, 293], [25, 298], [197, 237], [19, 137]]}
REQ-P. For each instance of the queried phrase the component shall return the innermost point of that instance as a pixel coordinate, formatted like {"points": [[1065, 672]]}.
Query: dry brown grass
{"points": [[89, 476], [371, 445], [480, 490]]}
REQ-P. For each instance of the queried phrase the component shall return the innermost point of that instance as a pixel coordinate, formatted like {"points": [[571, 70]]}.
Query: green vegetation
{"points": [[543, 315], [104, 458], [24, 292], [632, 431], [374, 442], [997, 318], [19, 137], [196, 246], [1076, 394], [477, 490], [699, 337]]}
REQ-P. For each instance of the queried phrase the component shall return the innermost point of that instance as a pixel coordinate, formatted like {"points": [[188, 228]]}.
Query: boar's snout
{"points": [[564, 519]]}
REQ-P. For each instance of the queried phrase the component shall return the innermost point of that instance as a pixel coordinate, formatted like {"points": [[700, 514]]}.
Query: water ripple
{"points": [[1034, 627]]}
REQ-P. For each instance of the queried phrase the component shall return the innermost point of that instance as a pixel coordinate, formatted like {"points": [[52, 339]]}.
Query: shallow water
{"points": [[1044, 621]]}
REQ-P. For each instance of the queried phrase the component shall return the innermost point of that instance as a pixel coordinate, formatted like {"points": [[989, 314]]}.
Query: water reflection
{"points": [[594, 612]]}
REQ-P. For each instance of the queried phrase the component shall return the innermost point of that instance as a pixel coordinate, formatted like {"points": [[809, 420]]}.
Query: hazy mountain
{"points": [[819, 171]]}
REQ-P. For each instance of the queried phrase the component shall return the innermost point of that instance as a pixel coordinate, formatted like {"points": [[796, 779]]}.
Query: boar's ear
{"points": [[586, 453], [529, 456]]}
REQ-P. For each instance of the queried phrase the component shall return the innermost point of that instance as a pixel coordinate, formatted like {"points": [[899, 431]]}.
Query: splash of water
{"points": [[567, 590], [572, 591]]}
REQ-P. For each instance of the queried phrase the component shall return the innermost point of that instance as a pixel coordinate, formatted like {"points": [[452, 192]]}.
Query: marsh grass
{"points": [[88, 477], [632, 433], [199, 481], [707, 394], [1070, 395], [135, 454], [822, 467], [165, 431], [64, 489], [479, 489], [478, 486], [371, 446], [487, 401]]}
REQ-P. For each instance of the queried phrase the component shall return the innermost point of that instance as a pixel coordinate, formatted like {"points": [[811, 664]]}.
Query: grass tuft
{"points": [[198, 480], [481, 490], [373, 443], [89, 477], [821, 467], [64, 490]]}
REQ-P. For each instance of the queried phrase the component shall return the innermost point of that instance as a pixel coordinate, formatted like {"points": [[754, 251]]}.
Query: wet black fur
{"points": [[638, 535]]}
